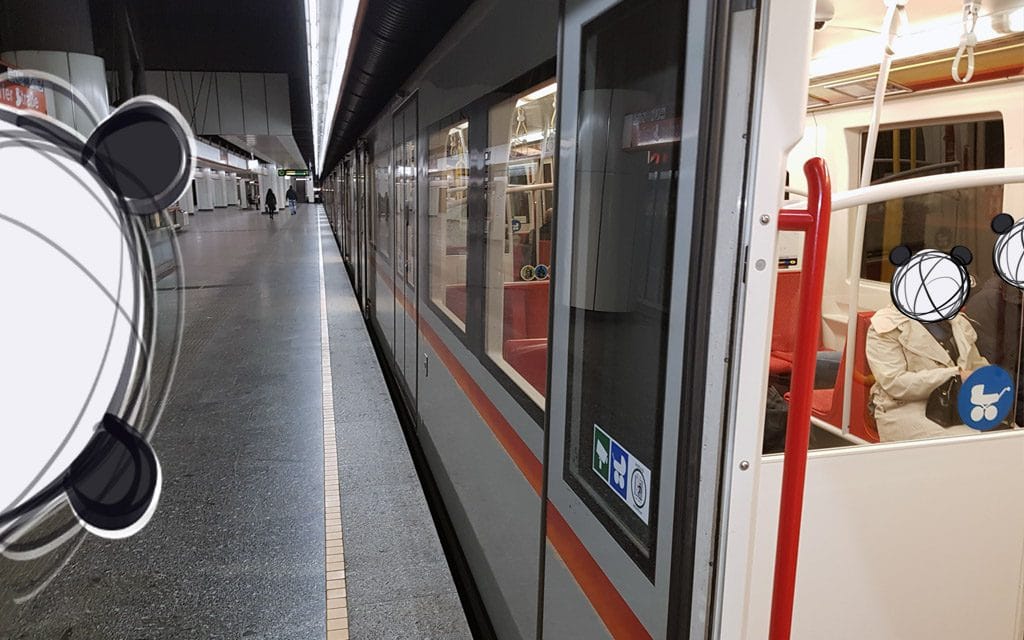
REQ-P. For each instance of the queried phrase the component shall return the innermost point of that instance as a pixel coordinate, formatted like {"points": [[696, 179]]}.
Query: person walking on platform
{"points": [[271, 201], [291, 197]]}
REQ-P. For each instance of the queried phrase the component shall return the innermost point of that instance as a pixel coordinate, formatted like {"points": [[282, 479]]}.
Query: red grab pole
{"points": [[814, 222]]}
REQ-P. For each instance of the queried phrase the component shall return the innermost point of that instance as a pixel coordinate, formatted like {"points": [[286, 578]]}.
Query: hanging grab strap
{"points": [[894, 23], [968, 40]]}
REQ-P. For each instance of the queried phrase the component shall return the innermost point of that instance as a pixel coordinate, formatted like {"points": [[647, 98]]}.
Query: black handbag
{"points": [[942, 406]]}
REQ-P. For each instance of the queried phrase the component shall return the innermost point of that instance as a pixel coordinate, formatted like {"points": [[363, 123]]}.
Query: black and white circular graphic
{"points": [[1008, 253], [638, 488], [930, 285]]}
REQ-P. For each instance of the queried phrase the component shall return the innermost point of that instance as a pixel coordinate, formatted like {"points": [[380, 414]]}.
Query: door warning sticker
{"points": [[629, 478]]}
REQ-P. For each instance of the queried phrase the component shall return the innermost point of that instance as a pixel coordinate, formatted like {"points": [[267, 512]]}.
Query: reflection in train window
{"points": [[382, 205], [520, 175], [404, 132], [936, 220], [624, 214], [448, 219]]}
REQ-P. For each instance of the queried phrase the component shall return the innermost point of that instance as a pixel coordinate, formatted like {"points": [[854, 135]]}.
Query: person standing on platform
{"points": [[271, 201], [291, 197]]}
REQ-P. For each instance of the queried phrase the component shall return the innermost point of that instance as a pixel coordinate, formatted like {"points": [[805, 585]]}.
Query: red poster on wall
{"points": [[23, 96]]}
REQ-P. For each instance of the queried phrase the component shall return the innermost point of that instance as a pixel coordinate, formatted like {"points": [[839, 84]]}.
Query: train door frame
{"points": [[774, 132], [406, 221], [673, 596]]}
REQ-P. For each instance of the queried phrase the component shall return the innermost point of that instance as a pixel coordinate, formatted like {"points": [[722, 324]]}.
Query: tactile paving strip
{"points": [[337, 602]]}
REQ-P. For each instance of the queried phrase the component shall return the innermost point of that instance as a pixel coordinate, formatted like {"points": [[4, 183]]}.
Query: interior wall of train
{"points": [[563, 232]]}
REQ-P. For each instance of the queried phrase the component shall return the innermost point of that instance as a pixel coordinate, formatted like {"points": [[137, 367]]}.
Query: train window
{"points": [[623, 220], [448, 219], [520, 202], [939, 220]]}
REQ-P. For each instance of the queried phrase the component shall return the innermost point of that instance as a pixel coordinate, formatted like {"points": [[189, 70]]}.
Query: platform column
{"points": [[56, 36]]}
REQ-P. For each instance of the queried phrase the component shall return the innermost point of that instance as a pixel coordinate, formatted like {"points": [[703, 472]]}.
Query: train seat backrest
{"points": [[526, 310], [544, 252], [787, 297], [455, 300], [863, 379], [529, 356], [828, 404]]}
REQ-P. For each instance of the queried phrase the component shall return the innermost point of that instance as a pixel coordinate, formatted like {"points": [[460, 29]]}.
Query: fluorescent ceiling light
{"points": [[329, 32], [543, 91], [921, 38]]}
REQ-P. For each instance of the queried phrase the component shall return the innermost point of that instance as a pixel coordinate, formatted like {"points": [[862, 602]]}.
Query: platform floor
{"points": [[237, 546]]}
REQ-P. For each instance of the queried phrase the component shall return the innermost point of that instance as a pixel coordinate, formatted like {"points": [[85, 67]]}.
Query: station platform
{"points": [[291, 508]]}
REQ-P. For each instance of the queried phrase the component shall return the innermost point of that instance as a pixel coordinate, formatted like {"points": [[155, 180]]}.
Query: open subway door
{"points": [[641, 249], [918, 535]]}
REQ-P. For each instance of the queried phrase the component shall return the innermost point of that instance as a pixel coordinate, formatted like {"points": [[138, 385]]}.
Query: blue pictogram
{"points": [[620, 466], [986, 398]]}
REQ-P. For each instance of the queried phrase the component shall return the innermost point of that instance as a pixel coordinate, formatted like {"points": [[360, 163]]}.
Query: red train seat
{"points": [[784, 338], [526, 310], [544, 249], [455, 300], [529, 356], [827, 404], [525, 337]]}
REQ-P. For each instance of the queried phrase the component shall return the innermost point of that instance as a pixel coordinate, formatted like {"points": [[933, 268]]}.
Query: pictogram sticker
{"points": [[629, 478]]}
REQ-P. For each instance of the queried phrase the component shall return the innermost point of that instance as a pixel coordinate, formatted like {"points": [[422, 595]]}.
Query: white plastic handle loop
{"points": [[894, 22], [968, 40]]}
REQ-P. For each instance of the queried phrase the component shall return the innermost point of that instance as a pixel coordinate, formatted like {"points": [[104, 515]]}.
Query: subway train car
{"points": [[627, 263]]}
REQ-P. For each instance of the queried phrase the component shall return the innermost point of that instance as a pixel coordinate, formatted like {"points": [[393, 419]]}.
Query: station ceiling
{"points": [[392, 38], [221, 35]]}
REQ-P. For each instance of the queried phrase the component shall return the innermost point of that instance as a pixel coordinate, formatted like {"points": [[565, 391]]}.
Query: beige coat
{"points": [[908, 364]]}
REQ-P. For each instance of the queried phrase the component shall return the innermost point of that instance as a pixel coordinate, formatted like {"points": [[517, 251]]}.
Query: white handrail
{"points": [[895, 18], [919, 186]]}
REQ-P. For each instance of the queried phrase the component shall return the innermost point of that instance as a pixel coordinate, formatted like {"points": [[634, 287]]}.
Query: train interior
{"points": [[930, 125], [946, 110]]}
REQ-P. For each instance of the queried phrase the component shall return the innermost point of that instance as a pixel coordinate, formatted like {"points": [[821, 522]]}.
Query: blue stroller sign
{"points": [[986, 398]]}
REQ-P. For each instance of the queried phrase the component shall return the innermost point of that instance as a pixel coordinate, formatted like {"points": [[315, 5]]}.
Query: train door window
{"points": [[407, 181], [627, 154], [383, 227], [520, 203], [448, 218]]}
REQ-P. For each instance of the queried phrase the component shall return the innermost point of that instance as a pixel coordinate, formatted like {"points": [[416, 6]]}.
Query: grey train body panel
{"points": [[547, 560]]}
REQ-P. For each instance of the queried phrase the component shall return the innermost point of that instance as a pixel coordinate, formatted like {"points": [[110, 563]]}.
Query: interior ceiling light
{"points": [[540, 93], [920, 39]]}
